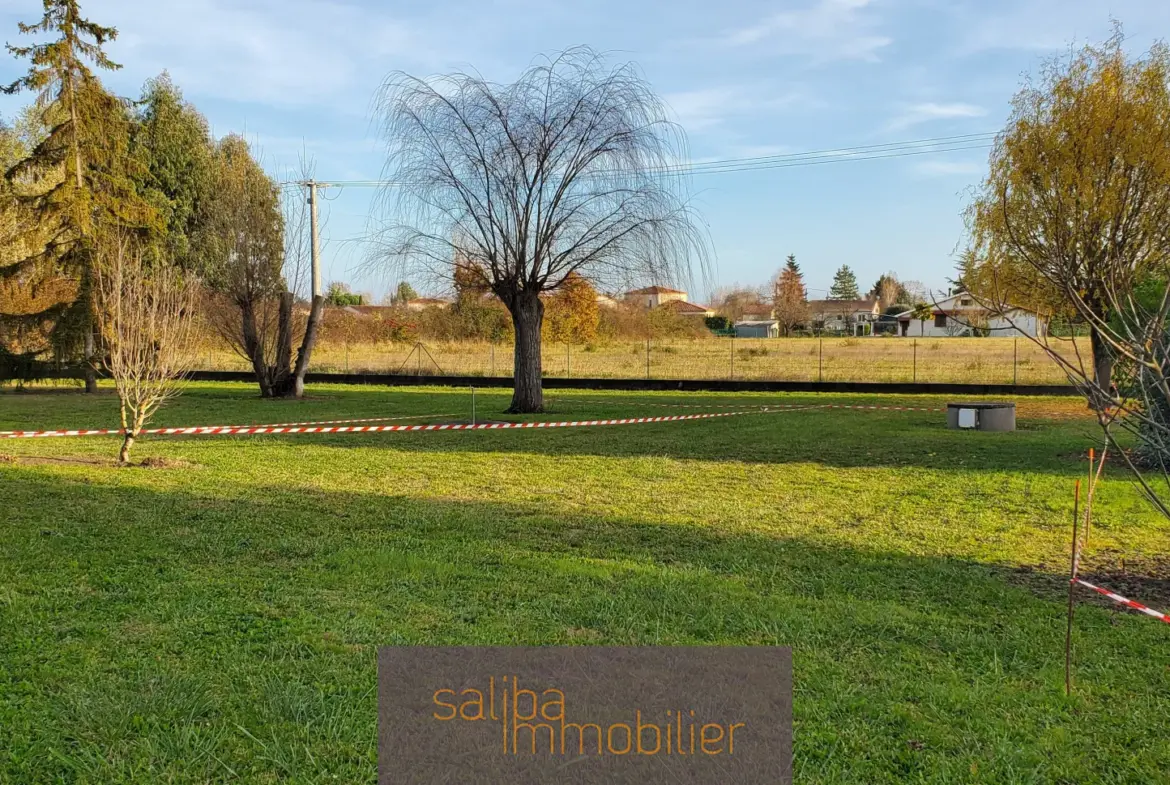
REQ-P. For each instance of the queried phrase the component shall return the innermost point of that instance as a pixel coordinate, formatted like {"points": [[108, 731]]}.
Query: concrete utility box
{"points": [[982, 416]]}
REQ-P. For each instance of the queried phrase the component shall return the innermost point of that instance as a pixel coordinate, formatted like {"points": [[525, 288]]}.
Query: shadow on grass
{"points": [[842, 439], [196, 637]]}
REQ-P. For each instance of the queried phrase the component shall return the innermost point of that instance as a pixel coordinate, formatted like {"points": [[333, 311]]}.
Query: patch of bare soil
{"points": [[156, 462], [59, 460], [1139, 577], [55, 460], [56, 389], [295, 401]]}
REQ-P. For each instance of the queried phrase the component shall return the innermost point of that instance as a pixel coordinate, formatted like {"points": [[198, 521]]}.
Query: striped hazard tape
{"points": [[888, 408], [740, 405], [249, 430], [602, 402], [1137, 606], [204, 429]]}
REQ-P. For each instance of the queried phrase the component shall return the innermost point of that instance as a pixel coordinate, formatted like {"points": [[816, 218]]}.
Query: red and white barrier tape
{"points": [[247, 431], [888, 408], [1137, 606], [764, 406], [740, 405], [202, 429], [312, 427], [345, 422]]}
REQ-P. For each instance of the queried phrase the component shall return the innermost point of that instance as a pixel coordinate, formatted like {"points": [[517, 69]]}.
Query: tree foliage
{"points": [[571, 312], [1076, 203], [1073, 220], [844, 285], [736, 301], [339, 295], [173, 147], [790, 298], [404, 293], [242, 235], [889, 290], [76, 184]]}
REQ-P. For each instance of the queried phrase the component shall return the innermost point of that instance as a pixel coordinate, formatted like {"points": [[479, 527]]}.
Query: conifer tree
{"points": [[790, 298], [844, 285], [172, 145], [74, 183]]}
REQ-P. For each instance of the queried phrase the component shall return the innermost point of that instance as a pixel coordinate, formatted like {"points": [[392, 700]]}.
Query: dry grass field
{"points": [[969, 360]]}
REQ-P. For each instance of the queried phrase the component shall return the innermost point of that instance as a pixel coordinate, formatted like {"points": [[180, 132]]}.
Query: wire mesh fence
{"points": [[862, 359]]}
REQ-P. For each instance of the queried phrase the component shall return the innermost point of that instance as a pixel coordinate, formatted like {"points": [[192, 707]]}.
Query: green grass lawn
{"points": [[216, 619]]}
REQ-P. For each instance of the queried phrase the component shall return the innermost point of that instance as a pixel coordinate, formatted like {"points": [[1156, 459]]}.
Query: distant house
{"points": [[961, 315], [683, 308], [757, 328], [855, 317], [422, 303], [654, 296], [606, 301]]}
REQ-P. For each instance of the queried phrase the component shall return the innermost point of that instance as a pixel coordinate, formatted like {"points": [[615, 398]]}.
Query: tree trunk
{"points": [[284, 333], [127, 443], [254, 349], [280, 379], [88, 363], [307, 344], [1102, 368], [527, 316]]}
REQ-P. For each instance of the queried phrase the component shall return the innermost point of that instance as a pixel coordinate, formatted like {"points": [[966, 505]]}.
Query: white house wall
{"points": [[1025, 324]]}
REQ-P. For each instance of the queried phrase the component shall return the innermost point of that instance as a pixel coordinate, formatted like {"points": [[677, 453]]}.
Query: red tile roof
{"points": [[681, 306], [656, 290]]}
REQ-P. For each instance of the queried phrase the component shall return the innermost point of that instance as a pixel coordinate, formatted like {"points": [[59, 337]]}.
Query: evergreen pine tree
{"points": [[173, 146], [74, 183], [790, 298], [844, 285]]}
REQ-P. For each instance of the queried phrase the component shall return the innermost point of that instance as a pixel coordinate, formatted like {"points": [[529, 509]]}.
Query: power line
{"points": [[942, 144], [844, 152]]}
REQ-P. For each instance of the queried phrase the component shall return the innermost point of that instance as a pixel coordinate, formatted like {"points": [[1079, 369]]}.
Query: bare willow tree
{"points": [[1073, 221], [573, 168], [145, 312]]}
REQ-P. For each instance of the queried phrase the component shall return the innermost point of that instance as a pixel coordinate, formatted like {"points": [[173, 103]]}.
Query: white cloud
{"points": [[700, 109], [926, 112], [828, 29], [270, 52], [703, 109]]}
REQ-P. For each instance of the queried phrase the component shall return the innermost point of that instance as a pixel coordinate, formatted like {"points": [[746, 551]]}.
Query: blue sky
{"points": [[744, 77]]}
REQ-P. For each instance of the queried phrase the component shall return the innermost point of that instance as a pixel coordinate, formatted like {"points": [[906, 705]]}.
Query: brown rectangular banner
{"points": [[585, 714]]}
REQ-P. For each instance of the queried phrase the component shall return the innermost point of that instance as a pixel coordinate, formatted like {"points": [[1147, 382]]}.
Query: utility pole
{"points": [[314, 239]]}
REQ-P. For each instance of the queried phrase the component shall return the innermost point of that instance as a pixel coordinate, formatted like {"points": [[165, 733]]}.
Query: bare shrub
{"points": [[145, 323]]}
